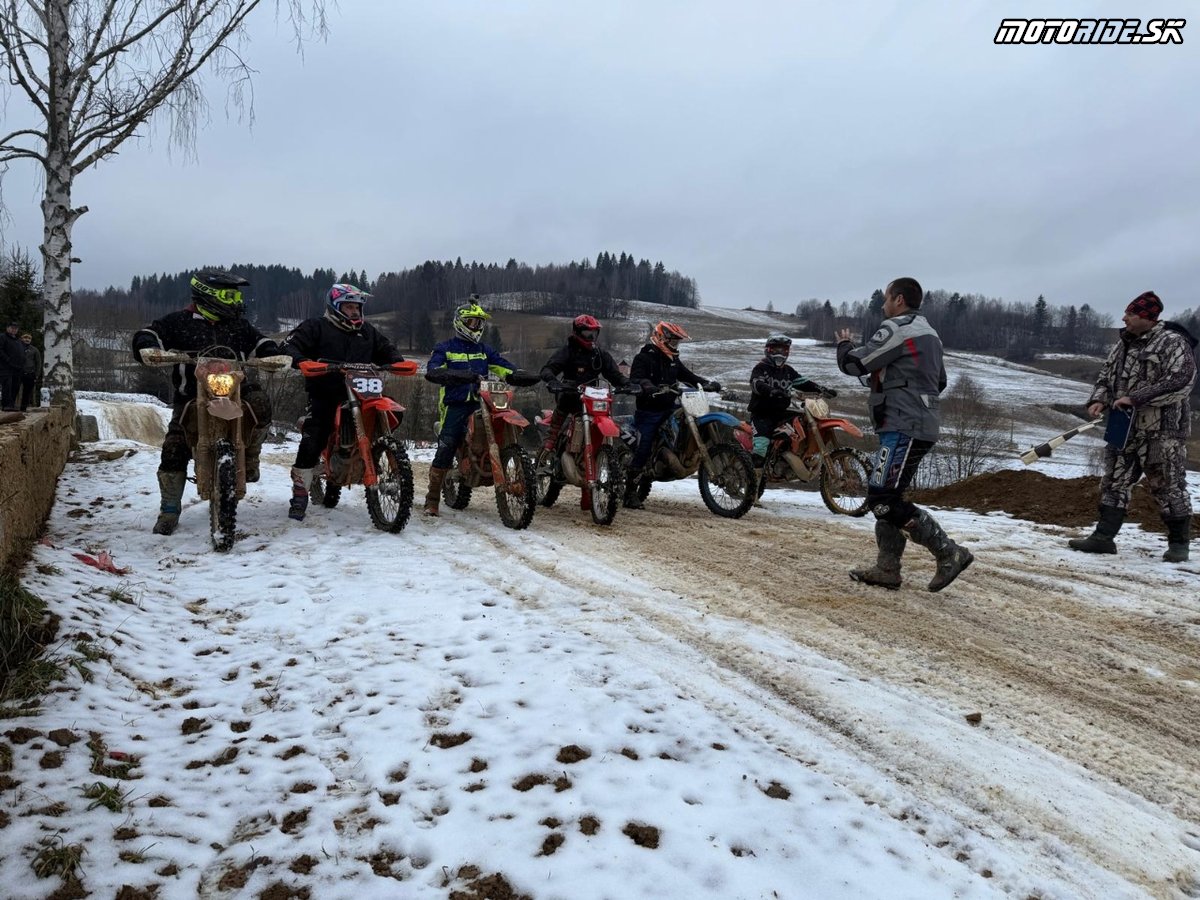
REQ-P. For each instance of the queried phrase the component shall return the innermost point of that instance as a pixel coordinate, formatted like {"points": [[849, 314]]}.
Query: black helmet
{"points": [[778, 348], [218, 295]]}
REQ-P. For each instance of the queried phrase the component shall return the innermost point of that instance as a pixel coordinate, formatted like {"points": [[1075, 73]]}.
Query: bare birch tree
{"points": [[95, 72]]}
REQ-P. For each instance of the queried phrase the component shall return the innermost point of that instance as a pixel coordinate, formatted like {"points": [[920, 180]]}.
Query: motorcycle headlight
{"points": [[500, 401], [220, 385], [600, 406]]}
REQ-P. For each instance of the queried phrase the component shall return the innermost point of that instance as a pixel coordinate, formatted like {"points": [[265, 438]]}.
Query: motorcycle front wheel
{"points": [[222, 502], [609, 487], [548, 487], [516, 498], [729, 488], [389, 501], [844, 482]]}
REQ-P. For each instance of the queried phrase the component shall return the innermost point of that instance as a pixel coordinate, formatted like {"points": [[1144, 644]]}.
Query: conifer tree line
{"points": [[421, 297], [1012, 329]]}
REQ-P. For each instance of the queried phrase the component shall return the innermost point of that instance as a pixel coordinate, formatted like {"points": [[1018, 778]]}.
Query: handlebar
{"points": [[311, 368], [152, 356]]}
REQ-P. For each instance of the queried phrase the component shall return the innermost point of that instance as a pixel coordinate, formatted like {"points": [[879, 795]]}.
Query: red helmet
{"points": [[585, 330], [666, 337]]}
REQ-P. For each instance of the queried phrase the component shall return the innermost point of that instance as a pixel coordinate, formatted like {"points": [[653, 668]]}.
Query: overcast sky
{"points": [[773, 151]]}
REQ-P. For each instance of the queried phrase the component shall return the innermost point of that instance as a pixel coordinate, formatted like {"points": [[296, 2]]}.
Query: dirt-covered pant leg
{"points": [[1164, 463], [176, 454]]}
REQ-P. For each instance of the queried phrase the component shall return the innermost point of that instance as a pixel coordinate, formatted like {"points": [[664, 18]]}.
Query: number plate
{"points": [[368, 387]]}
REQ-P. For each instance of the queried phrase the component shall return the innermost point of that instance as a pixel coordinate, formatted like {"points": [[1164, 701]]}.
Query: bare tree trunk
{"points": [[56, 267]]}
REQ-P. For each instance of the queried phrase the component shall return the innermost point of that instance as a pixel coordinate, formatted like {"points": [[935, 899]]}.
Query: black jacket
{"points": [[770, 388], [652, 369], [188, 330], [12, 354], [581, 365], [319, 339]]}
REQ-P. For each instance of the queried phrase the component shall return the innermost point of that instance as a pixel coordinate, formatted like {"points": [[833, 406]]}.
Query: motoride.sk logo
{"points": [[1090, 31]]}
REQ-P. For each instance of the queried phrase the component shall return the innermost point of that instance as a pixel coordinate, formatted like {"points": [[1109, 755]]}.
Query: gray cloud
{"points": [[775, 152]]}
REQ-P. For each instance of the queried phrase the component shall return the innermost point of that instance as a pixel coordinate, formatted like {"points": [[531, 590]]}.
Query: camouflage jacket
{"points": [[1156, 371]]}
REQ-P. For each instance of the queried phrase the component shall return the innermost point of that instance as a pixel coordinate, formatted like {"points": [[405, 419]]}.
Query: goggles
{"points": [[474, 323], [222, 295], [589, 334]]}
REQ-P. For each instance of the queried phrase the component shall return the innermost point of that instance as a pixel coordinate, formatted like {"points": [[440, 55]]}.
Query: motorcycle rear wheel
{"points": [[516, 498], [455, 491], [222, 503], [645, 482], [390, 500], [322, 490], [730, 488], [844, 482], [548, 486], [609, 488]]}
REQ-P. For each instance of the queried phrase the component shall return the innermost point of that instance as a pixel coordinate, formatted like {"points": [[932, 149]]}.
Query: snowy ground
{"points": [[331, 709]]}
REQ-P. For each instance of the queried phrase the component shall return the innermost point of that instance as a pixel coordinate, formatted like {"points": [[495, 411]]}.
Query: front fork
{"points": [[589, 461], [695, 429], [370, 476], [489, 432]]}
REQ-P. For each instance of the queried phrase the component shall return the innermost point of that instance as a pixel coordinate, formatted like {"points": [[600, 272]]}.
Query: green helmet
{"points": [[469, 319], [218, 295]]}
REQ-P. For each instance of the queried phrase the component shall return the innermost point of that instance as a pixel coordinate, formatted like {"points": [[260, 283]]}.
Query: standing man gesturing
{"points": [[904, 362]]}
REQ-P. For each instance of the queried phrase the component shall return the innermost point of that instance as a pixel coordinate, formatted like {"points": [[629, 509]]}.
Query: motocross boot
{"points": [[170, 488], [633, 479], [434, 494], [1101, 540], [952, 559], [1178, 534], [555, 426], [886, 571], [299, 503]]}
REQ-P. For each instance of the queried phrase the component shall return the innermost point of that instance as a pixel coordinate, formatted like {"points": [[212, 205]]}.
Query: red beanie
{"points": [[1146, 305]]}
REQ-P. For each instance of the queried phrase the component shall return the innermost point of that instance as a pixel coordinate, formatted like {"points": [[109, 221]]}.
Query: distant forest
{"points": [[420, 297], [1015, 330]]}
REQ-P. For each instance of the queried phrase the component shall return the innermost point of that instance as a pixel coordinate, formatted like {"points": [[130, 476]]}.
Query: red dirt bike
{"points": [[217, 426], [363, 449], [586, 456], [491, 456], [806, 447]]}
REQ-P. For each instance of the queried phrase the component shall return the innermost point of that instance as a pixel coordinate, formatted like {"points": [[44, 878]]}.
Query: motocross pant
{"points": [[895, 464], [646, 423], [452, 432]]}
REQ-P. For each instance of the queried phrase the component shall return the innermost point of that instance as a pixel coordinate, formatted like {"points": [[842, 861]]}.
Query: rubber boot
{"points": [[433, 496], [1101, 540], [298, 506], [952, 559], [170, 489], [633, 478], [253, 451], [556, 423], [886, 571], [1178, 534]]}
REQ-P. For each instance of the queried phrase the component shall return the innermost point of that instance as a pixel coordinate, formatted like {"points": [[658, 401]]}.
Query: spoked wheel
{"points": [[645, 482], [389, 501], [456, 492], [730, 487], [222, 503], [517, 497], [322, 490], [609, 487], [548, 487], [844, 482]]}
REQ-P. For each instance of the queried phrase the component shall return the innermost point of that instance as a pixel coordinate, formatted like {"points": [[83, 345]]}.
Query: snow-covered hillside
{"points": [[675, 707]]}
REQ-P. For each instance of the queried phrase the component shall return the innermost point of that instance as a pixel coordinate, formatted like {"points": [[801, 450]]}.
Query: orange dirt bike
{"points": [[806, 447], [217, 426], [586, 456], [491, 456], [362, 448]]}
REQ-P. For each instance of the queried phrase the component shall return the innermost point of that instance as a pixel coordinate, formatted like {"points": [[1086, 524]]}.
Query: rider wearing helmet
{"points": [[772, 381], [656, 365], [340, 334], [458, 365], [214, 318], [580, 362]]}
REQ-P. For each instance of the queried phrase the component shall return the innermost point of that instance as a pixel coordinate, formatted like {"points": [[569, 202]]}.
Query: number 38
{"points": [[368, 385]]}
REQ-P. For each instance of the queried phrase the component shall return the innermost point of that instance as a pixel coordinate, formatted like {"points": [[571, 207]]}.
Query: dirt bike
{"points": [[217, 426], [491, 456], [362, 448], [696, 441], [586, 456], [806, 447]]}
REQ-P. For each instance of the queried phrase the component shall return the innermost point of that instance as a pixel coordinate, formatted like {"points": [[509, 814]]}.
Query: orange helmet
{"points": [[666, 337]]}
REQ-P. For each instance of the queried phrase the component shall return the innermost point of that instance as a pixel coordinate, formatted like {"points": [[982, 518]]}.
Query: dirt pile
{"points": [[1027, 494]]}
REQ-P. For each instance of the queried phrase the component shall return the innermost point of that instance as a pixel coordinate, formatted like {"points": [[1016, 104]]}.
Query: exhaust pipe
{"points": [[797, 464], [570, 470], [673, 463]]}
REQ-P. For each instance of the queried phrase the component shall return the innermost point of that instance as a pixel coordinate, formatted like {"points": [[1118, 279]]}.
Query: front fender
{"points": [[607, 427], [722, 418], [849, 427], [512, 417], [382, 404], [224, 408]]}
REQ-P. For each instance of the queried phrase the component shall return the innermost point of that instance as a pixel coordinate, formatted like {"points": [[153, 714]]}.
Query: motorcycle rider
{"points": [[339, 334], [655, 366], [458, 365], [772, 381], [580, 362], [214, 318]]}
